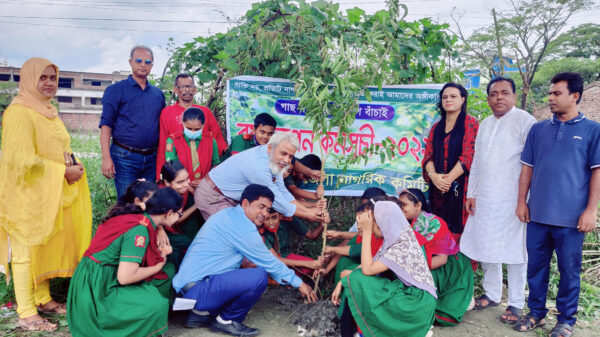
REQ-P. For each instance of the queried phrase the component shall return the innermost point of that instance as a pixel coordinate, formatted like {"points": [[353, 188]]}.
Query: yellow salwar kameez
{"points": [[45, 223]]}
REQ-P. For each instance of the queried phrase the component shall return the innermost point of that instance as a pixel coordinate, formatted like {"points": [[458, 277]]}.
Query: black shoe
{"points": [[196, 321], [234, 328]]}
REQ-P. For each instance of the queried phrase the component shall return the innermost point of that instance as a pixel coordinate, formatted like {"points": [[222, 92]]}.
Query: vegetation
{"points": [[524, 35]]}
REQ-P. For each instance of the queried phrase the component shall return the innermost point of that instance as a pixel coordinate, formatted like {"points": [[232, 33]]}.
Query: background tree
{"points": [[8, 90], [581, 42], [524, 33], [576, 50]]}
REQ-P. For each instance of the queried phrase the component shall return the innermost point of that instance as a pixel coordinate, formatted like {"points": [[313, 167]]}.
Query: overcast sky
{"points": [[96, 35]]}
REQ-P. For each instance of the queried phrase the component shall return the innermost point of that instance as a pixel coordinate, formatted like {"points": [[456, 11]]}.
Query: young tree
{"points": [[331, 56]]}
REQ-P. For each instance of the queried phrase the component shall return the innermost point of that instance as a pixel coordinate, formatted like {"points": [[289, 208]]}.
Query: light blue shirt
{"points": [[252, 167], [219, 247]]}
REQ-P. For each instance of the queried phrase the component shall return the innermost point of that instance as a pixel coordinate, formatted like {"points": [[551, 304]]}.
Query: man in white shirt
{"points": [[493, 233]]}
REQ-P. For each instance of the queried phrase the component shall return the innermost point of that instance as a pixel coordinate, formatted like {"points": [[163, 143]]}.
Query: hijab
{"points": [[28, 95], [400, 251]]}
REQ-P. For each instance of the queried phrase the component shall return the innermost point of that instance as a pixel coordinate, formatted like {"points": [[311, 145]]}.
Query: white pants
{"points": [[517, 277]]}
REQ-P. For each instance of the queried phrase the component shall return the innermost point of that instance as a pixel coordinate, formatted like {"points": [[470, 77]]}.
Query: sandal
{"points": [[40, 324], [529, 322], [561, 330], [511, 315], [58, 309], [484, 297]]}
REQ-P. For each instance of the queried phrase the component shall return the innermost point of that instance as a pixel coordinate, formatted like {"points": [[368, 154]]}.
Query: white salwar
{"points": [[494, 234]]}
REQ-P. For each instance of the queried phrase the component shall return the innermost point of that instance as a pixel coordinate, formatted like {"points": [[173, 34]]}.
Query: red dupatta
{"points": [[184, 153], [436, 237], [112, 228]]}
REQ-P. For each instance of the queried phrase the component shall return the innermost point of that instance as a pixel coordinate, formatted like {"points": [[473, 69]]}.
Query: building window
{"points": [[64, 99], [96, 83], [4, 77], [95, 101], [65, 82], [16, 78]]}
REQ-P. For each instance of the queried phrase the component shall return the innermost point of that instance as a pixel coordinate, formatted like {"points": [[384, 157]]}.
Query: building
{"points": [[79, 95], [588, 105]]}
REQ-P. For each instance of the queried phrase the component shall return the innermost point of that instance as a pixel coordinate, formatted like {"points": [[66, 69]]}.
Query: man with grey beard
{"points": [[223, 185]]}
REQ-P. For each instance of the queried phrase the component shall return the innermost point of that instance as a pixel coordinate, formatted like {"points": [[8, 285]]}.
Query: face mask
{"points": [[192, 134]]}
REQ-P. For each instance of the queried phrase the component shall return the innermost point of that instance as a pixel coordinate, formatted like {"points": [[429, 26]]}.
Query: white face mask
{"points": [[192, 134]]}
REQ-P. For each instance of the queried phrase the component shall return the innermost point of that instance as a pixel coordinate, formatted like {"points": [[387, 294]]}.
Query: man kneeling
{"points": [[210, 273]]}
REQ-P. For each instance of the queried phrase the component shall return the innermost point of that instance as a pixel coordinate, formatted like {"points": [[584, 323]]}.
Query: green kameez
{"points": [[348, 262], [382, 307], [189, 228], [99, 306], [454, 283]]}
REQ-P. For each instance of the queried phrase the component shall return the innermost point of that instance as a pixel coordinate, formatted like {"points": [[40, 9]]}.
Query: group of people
{"points": [[214, 223]]}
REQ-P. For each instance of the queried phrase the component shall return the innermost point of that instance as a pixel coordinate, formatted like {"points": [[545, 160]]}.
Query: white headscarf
{"points": [[400, 251]]}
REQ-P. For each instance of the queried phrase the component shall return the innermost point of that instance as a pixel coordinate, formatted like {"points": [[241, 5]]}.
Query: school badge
{"points": [[140, 241], [170, 147]]}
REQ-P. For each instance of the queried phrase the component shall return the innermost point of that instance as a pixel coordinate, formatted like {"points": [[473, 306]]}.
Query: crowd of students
{"points": [[219, 224]]}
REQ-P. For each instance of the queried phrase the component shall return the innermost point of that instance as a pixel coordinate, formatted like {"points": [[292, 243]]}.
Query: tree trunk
{"points": [[524, 94]]}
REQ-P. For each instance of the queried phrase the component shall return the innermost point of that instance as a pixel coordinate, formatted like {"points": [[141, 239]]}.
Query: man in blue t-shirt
{"points": [[561, 172]]}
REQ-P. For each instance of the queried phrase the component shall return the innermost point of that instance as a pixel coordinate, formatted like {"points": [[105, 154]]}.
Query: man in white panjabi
{"points": [[493, 234]]}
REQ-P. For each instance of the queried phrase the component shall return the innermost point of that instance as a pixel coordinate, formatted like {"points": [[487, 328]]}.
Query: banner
{"points": [[400, 113]]}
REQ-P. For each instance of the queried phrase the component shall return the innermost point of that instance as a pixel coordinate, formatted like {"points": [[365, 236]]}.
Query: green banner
{"points": [[401, 113]]}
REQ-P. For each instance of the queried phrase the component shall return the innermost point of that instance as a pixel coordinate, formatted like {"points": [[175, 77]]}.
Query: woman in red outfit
{"points": [[448, 157]]}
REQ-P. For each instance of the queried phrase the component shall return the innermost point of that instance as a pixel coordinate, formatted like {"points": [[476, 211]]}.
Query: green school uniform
{"points": [[269, 239], [171, 152], [238, 144], [454, 283], [348, 262], [103, 307], [387, 307], [188, 230], [285, 232]]}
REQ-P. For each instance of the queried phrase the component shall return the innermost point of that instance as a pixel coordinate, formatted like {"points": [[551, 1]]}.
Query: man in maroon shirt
{"points": [[170, 118]]}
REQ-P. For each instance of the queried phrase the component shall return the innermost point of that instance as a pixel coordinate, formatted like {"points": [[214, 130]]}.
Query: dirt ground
{"points": [[279, 307]]}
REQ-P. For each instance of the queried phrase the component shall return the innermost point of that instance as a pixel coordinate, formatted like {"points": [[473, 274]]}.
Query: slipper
{"points": [[561, 330], [480, 306], [529, 322], [41, 324], [511, 312], [58, 309]]}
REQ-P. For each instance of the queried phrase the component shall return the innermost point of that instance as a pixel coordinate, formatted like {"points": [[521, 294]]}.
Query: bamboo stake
{"points": [[323, 223]]}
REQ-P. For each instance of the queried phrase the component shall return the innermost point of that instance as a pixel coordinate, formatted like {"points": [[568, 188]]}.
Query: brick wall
{"points": [[589, 104], [80, 122]]}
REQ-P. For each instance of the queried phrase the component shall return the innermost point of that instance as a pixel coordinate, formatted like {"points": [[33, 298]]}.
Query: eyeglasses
{"points": [[139, 60], [186, 87]]}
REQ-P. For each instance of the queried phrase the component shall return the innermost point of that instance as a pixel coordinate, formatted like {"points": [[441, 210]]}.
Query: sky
{"points": [[97, 35]]}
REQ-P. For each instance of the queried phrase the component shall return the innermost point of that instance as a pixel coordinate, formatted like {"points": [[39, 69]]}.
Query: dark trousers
{"points": [[130, 166], [542, 240], [230, 295]]}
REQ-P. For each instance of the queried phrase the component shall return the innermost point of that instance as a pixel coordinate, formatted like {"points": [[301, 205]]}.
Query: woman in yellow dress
{"points": [[45, 208]]}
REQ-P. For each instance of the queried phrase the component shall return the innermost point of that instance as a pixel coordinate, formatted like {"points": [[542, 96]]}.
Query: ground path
{"points": [[271, 315]]}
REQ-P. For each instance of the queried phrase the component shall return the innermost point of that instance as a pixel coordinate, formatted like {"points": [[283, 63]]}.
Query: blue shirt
{"points": [[252, 167], [219, 247], [562, 155], [132, 113]]}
